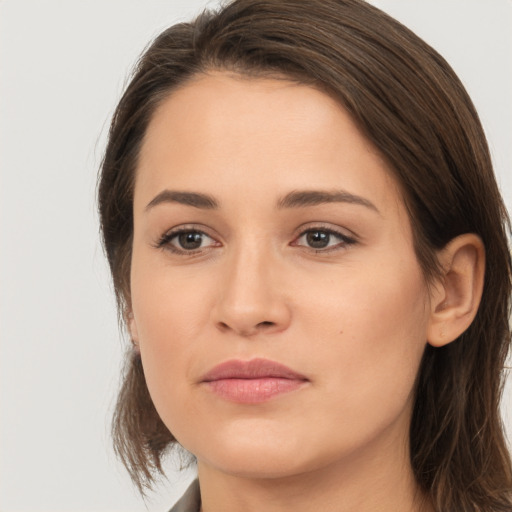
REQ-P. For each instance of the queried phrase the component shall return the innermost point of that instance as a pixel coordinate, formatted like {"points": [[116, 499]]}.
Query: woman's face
{"points": [[268, 232]]}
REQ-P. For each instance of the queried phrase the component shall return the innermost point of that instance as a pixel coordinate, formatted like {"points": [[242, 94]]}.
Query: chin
{"points": [[259, 464], [253, 453]]}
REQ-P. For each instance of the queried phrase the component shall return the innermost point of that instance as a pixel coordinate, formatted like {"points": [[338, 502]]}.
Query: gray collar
{"points": [[190, 501]]}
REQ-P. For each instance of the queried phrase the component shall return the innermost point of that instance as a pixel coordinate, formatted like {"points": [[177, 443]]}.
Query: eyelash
{"points": [[344, 240], [165, 241]]}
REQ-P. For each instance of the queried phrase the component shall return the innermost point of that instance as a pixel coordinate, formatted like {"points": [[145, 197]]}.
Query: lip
{"points": [[254, 381]]}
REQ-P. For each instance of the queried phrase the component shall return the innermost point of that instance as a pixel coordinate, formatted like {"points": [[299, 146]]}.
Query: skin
{"points": [[353, 317]]}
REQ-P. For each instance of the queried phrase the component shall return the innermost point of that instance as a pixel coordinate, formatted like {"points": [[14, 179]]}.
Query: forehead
{"points": [[221, 131]]}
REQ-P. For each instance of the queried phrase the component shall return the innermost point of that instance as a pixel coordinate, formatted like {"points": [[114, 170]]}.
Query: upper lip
{"points": [[253, 369]]}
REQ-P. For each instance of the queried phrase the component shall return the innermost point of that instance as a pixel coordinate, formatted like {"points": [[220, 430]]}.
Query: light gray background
{"points": [[63, 65]]}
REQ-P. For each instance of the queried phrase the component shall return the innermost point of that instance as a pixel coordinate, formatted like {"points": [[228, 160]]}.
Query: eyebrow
{"points": [[194, 199], [305, 198], [295, 199]]}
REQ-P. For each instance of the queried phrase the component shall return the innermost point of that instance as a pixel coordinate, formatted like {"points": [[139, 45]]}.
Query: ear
{"points": [[132, 327], [456, 296]]}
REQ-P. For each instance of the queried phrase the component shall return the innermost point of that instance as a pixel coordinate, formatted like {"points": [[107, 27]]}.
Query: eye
{"points": [[321, 239], [184, 241]]}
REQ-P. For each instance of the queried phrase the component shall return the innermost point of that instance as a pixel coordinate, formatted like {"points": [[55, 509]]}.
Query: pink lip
{"points": [[254, 381]]}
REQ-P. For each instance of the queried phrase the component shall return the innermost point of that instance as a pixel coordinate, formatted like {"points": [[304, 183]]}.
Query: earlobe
{"points": [[456, 296], [132, 328]]}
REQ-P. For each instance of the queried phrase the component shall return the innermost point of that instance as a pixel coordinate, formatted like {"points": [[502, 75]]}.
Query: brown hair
{"points": [[409, 103]]}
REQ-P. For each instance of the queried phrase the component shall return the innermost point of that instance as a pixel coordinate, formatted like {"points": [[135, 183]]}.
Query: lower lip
{"points": [[253, 391]]}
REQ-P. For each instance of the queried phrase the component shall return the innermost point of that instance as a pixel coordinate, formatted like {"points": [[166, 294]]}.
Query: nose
{"points": [[252, 296]]}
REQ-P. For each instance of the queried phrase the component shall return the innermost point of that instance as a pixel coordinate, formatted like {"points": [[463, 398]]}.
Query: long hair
{"points": [[409, 103]]}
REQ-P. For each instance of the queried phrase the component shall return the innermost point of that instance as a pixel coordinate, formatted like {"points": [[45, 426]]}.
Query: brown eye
{"points": [[186, 241], [318, 239], [190, 240], [323, 240]]}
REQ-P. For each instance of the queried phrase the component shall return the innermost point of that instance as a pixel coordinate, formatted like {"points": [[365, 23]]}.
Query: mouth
{"points": [[254, 381]]}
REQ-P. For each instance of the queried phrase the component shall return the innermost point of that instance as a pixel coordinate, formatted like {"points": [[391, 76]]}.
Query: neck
{"points": [[372, 481]]}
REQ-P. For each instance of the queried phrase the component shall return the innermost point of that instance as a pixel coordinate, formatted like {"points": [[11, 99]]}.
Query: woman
{"points": [[309, 251]]}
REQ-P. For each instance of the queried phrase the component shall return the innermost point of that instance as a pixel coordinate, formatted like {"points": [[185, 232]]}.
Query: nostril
{"points": [[246, 330], [266, 324]]}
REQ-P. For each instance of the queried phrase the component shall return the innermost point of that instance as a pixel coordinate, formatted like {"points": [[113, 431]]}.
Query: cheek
{"points": [[169, 304], [170, 314], [371, 332]]}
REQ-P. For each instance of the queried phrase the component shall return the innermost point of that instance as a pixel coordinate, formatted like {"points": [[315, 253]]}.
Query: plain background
{"points": [[63, 65]]}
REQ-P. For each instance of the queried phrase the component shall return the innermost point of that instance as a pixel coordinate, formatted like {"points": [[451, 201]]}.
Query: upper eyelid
{"points": [[184, 228], [325, 226], [323, 230], [171, 234], [345, 239]]}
